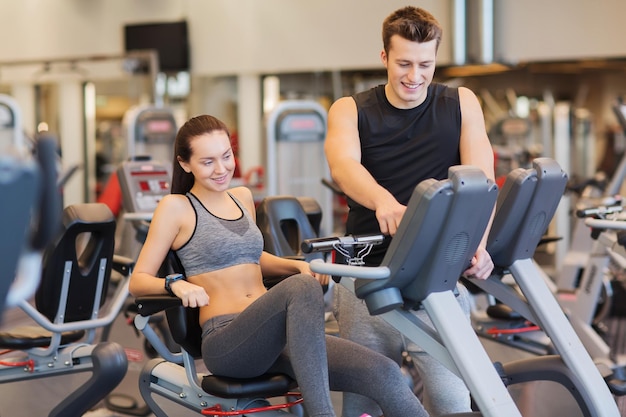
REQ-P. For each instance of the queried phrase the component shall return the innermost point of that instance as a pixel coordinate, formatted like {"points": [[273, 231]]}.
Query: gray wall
{"points": [[227, 37]]}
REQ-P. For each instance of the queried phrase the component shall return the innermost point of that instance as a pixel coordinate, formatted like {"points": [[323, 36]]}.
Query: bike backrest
{"points": [[285, 223], [77, 265]]}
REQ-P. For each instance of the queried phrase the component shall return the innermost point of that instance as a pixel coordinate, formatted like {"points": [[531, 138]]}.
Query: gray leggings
{"points": [[444, 392], [283, 331]]}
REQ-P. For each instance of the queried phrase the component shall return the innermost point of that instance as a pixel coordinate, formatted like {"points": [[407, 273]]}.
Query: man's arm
{"points": [[343, 153], [475, 147], [476, 150]]}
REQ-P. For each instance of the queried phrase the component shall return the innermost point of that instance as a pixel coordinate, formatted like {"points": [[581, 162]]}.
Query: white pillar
{"points": [[562, 152], [250, 121], [71, 135], [89, 113]]}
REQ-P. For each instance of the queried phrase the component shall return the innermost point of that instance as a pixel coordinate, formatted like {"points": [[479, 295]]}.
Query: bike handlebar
{"points": [[327, 244]]}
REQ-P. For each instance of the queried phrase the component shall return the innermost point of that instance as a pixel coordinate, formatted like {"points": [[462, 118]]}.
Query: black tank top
{"points": [[402, 147]]}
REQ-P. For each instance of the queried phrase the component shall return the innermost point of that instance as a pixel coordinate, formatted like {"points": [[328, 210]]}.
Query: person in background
{"points": [[248, 330], [380, 144]]}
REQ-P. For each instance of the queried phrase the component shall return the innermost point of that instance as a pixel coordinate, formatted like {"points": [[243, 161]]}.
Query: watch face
{"points": [[172, 278]]}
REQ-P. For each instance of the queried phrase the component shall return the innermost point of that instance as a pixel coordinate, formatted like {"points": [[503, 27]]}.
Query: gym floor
{"points": [[43, 394]]}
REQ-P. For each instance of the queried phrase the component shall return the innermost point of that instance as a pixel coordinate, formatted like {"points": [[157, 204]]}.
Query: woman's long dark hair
{"points": [[194, 127]]}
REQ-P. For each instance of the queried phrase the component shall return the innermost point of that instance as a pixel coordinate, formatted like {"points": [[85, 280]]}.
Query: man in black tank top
{"points": [[380, 144]]}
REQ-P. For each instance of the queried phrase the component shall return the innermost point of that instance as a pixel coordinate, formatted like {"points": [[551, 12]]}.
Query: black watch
{"points": [[171, 278]]}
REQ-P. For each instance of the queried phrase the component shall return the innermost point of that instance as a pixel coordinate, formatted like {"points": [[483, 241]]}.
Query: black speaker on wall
{"points": [[169, 39]]}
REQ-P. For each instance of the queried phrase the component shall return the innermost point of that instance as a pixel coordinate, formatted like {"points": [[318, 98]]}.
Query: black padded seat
{"points": [[268, 385], [27, 337], [185, 330]]}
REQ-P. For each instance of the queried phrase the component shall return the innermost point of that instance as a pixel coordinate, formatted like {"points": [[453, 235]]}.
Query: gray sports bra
{"points": [[218, 243]]}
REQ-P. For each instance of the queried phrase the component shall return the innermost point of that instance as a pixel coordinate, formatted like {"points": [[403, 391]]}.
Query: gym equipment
{"points": [[143, 183], [525, 207], [610, 231], [432, 247], [580, 285], [285, 221], [151, 131], [295, 161], [71, 305], [579, 258], [29, 219]]}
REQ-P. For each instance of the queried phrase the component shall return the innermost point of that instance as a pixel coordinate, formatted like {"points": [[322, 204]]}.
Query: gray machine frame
{"points": [[525, 207], [526, 204], [432, 247]]}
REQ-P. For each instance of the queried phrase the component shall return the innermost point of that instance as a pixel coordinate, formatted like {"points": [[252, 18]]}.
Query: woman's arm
{"points": [[162, 235]]}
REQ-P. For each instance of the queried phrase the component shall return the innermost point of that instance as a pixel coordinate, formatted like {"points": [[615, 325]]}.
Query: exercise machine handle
{"points": [[599, 211], [327, 244], [364, 272]]}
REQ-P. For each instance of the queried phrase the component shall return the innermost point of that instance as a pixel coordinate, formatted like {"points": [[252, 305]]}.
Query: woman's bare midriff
{"points": [[230, 290]]}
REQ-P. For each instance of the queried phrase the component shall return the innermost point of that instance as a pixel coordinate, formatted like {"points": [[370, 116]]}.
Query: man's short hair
{"points": [[411, 23]]}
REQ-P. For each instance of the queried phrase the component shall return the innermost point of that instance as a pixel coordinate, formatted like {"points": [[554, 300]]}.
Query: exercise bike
{"points": [[525, 206]]}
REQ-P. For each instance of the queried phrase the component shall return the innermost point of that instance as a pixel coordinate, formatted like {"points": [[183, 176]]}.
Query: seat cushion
{"points": [[26, 337]]}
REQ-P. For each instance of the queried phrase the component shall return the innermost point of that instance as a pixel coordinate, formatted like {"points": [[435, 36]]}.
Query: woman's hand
{"points": [[192, 295], [305, 268]]}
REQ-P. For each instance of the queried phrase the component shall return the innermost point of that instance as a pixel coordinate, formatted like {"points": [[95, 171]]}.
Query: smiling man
{"points": [[380, 144]]}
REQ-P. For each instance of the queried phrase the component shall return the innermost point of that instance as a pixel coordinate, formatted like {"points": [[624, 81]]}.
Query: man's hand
{"points": [[389, 215], [482, 265]]}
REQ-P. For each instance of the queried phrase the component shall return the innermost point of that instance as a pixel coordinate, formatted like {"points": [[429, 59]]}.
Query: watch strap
{"points": [[170, 279]]}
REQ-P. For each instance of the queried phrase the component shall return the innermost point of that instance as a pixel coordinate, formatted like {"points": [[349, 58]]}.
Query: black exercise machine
{"points": [[71, 305]]}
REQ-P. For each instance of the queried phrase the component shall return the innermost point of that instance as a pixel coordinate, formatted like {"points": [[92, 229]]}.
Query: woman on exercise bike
{"points": [[247, 329]]}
